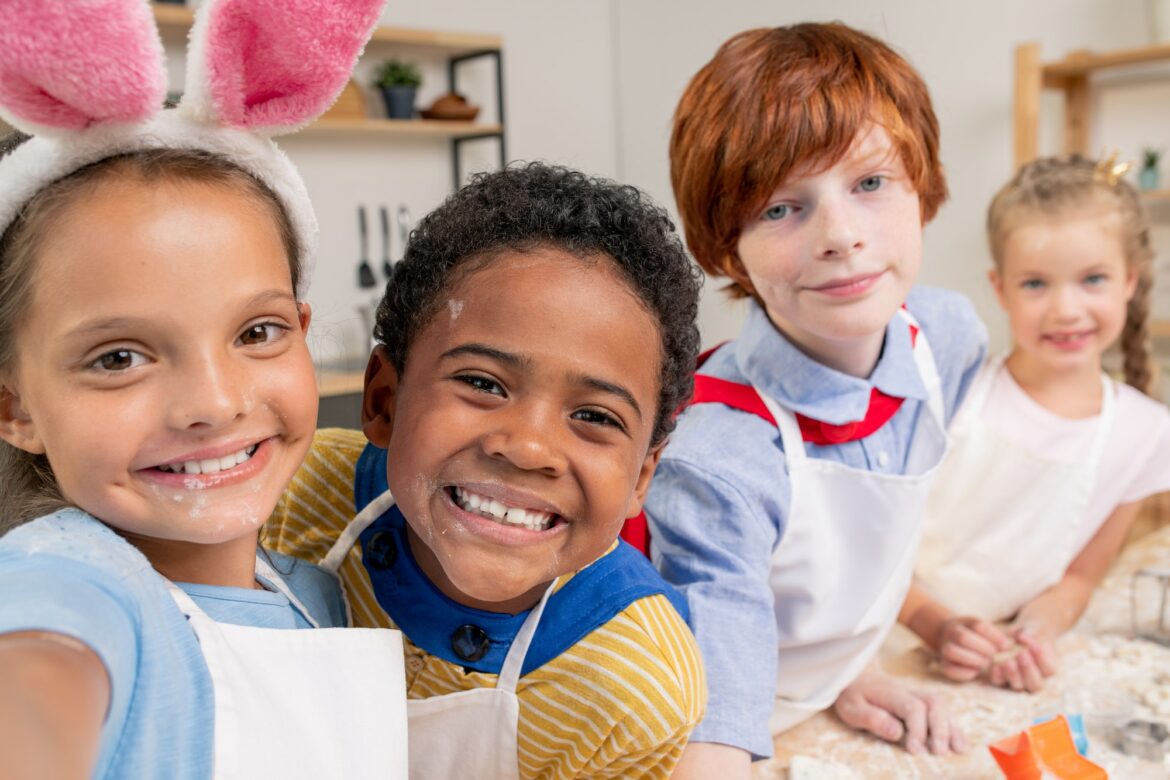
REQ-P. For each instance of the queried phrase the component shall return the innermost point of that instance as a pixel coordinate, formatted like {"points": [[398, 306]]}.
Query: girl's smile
{"points": [[1065, 285], [171, 405]]}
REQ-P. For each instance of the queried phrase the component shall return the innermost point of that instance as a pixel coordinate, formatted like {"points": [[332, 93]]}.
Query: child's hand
{"points": [[1025, 667], [884, 707], [968, 646]]}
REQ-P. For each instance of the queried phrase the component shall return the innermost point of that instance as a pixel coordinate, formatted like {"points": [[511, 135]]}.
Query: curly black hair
{"points": [[528, 206]]}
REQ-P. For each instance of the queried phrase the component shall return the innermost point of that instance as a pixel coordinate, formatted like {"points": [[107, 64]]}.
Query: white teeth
{"points": [[210, 465], [507, 515]]}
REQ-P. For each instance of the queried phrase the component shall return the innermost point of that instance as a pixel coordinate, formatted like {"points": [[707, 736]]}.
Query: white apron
{"points": [[467, 734], [1003, 524], [844, 564], [303, 703]]}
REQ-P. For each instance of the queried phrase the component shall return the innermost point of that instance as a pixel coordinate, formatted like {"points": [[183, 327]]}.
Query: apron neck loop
{"points": [[348, 538], [514, 662]]}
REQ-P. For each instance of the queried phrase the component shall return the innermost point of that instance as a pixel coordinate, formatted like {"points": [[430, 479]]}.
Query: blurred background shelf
{"points": [[436, 128]]}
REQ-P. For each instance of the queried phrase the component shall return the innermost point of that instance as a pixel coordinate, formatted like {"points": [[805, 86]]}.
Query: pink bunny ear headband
{"points": [[87, 79]]}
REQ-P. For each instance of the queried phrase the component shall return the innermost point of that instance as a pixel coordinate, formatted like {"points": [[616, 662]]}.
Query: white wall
{"points": [[593, 84], [559, 106], [964, 51]]}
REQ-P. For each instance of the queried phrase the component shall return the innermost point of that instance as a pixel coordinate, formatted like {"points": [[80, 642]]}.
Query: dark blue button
{"points": [[470, 642], [381, 551]]}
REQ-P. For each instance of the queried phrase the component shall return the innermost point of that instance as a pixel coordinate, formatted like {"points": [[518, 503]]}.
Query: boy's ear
{"points": [[16, 426], [642, 486], [997, 285], [379, 398]]}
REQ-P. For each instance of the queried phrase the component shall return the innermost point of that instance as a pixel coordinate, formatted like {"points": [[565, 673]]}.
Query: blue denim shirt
{"points": [[718, 504]]}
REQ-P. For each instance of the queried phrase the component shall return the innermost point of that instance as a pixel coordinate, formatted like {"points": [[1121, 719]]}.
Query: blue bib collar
{"points": [[476, 639]]}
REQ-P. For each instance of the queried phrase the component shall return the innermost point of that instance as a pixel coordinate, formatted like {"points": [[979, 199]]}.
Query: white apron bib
{"points": [[1003, 524], [467, 734], [844, 564], [303, 703]]}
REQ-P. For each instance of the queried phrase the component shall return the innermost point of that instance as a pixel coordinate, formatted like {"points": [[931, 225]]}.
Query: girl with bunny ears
{"points": [[157, 395]]}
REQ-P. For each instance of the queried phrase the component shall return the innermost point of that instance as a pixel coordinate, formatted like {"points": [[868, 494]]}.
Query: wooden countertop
{"points": [[1105, 674], [333, 383]]}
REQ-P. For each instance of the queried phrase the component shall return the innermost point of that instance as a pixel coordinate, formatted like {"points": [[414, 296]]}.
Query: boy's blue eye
{"points": [[779, 211], [870, 183], [1032, 284], [118, 360], [1095, 280]]}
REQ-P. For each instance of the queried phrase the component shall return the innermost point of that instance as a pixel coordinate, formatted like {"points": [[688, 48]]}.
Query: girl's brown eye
{"points": [[261, 333], [254, 335], [118, 360]]}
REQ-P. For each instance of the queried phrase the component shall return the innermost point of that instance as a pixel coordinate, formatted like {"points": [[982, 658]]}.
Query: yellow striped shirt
{"points": [[619, 703]]}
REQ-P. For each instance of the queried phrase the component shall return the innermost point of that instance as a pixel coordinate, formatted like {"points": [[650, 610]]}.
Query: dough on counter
{"points": [[807, 768]]}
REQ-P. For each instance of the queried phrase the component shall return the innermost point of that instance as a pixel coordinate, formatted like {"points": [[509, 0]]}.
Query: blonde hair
{"points": [[30, 489], [1050, 185]]}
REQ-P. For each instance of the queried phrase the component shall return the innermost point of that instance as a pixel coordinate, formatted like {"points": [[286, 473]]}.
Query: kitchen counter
{"points": [[334, 383], [1105, 674]]}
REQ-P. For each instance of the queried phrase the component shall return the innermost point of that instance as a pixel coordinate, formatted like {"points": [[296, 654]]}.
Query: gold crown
{"points": [[1109, 171]]}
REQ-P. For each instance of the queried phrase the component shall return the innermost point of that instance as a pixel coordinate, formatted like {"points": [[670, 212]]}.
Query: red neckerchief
{"points": [[882, 407], [709, 389]]}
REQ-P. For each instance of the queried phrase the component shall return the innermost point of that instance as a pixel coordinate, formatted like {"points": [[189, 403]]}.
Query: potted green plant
{"points": [[399, 81], [1148, 176]]}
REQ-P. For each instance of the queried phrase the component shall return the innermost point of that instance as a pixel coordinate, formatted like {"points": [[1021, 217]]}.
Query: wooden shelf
{"points": [[1069, 75], [432, 128], [1081, 63], [1155, 196], [175, 19]]}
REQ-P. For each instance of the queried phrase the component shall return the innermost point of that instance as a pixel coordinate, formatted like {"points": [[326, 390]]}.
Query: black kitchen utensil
{"points": [[403, 217], [366, 278], [387, 266]]}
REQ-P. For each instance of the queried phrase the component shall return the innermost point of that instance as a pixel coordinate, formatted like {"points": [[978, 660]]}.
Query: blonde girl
{"points": [[1049, 456]]}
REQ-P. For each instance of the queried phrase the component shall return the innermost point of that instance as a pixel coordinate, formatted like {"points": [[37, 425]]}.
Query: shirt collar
{"points": [[775, 366]]}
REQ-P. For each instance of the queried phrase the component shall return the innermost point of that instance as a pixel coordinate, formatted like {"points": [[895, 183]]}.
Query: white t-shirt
{"points": [[1134, 464]]}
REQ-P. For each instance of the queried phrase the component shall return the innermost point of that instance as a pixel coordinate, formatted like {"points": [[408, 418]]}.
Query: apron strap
{"points": [[981, 388], [510, 671], [188, 606], [273, 579], [349, 536], [1104, 423], [790, 435]]}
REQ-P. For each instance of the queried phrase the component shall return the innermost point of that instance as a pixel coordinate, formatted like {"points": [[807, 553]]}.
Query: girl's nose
{"points": [[838, 232], [212, 393], [1065, 302], [526, 437]]}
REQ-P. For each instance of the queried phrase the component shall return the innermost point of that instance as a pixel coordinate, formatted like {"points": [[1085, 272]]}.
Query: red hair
{"points": [[774, 102]]}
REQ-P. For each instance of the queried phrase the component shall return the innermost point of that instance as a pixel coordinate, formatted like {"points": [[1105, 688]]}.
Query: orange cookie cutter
{"points": [[1047, 747]]}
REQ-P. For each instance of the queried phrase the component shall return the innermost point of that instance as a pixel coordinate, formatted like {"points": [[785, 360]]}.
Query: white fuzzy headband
{"points": [[87, 79]]}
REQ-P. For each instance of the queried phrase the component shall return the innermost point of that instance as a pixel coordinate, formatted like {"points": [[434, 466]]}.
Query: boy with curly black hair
{"points": [[532, 346]]}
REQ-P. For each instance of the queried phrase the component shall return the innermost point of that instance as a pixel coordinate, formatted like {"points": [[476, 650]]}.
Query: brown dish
{"points": [[451, 106]]}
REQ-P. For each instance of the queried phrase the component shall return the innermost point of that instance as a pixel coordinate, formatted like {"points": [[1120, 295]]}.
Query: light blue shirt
{"points": [[718, 504], [70, 574]]}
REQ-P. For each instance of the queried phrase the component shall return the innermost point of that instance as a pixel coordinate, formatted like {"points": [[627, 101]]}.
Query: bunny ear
{"points": [[67, 65], [272, 66]]}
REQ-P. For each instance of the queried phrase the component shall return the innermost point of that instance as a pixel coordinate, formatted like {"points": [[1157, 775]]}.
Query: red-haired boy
{"points": [[788, 505]]}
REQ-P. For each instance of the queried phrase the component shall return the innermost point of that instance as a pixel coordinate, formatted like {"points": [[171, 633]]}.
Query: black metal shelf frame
{"points": [[497, 57]]}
